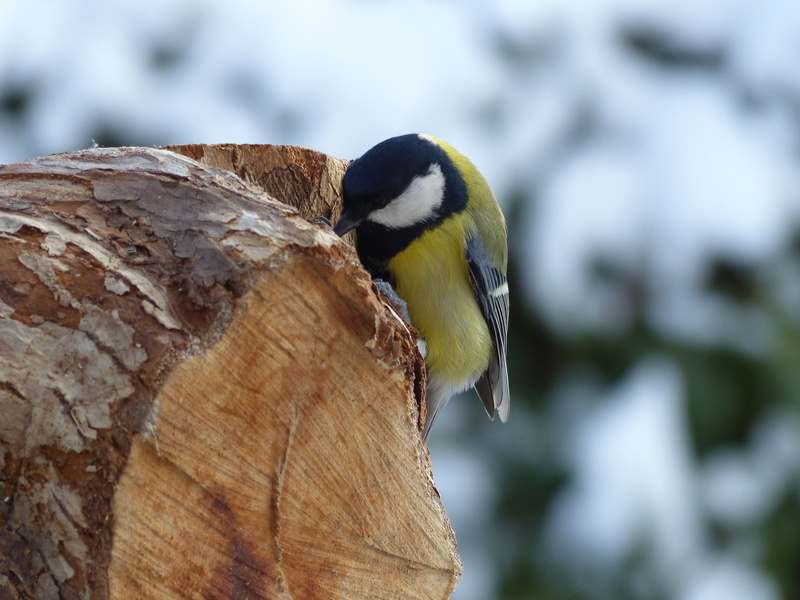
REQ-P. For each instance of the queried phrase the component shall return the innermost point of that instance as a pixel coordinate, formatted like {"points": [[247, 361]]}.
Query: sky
{"points": [[650, 170]]}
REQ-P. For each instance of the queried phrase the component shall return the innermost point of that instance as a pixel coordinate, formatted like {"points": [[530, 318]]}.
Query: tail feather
{"points": [[436, 397]]}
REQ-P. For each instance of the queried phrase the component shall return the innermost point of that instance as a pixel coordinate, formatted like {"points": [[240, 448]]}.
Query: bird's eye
{"points": [[382, 201]]}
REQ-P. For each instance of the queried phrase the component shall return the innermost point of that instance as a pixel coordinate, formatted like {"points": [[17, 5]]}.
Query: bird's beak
{"points": [[345, 223]]}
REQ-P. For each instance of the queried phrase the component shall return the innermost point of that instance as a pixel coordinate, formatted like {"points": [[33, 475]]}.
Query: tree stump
{"points": [[201, 393]]}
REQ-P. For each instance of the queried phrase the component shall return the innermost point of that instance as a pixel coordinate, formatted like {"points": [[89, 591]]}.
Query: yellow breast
{"points": [[431, 276]]}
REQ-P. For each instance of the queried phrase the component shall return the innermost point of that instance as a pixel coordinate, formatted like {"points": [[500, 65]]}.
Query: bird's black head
{"points": [[400, 183], [386, 170]]}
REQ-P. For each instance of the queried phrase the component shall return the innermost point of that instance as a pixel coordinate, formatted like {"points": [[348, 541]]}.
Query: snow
{"points": [[634, 478], [729, 579], [742, 485], [673, 173], [596, 196], [465, 482], [764, 44], [323, 65]]}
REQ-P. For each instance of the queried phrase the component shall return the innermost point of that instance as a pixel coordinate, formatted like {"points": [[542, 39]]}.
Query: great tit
{"points": [[427, 222]]}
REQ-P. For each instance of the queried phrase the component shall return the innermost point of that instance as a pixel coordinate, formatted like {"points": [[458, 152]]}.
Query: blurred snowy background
{"points": [[647, 156]]}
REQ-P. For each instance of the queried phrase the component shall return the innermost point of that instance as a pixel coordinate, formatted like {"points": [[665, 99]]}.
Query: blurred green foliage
{"points": [[729, 391]]}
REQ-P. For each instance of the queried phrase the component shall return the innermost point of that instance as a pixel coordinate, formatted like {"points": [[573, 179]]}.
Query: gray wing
{"points": [[491, 291]]}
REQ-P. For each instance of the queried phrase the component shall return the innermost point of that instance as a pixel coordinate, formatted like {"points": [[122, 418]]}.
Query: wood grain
{"points": [[201, 394]]}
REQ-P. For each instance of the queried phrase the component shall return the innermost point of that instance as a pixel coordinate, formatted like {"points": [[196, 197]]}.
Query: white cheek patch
{"points": [[419, 202]]}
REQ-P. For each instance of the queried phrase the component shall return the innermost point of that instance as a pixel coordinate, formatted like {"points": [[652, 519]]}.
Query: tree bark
{"points": [[201, 394]]}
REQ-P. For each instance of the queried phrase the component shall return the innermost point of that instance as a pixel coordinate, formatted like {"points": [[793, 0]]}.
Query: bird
{"points": [[427, 223]]}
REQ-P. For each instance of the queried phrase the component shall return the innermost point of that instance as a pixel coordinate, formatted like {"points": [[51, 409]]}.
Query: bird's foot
{"points": [[387, 291], [320, 220]]}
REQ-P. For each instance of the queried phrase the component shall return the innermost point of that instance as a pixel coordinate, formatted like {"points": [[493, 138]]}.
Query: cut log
{"points": [[201, 394]]}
